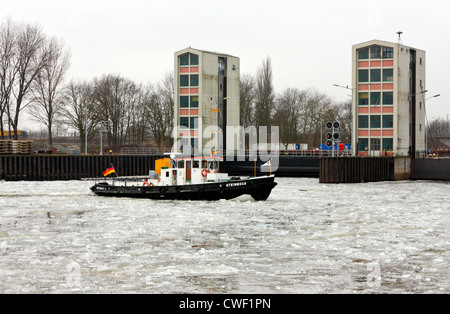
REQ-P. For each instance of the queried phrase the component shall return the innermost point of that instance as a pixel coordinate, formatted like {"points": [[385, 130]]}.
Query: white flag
{"points": [[267, 164]]}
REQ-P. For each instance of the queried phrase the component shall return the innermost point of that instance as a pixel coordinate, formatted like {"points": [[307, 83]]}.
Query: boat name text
{"points": [[229, 185]]}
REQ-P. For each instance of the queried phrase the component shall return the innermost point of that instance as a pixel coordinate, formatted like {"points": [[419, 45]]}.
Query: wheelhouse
{"points": [[192, 171]]}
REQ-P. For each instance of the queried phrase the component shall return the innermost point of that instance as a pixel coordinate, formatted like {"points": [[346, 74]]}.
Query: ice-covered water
{"points": [[393, 237]]}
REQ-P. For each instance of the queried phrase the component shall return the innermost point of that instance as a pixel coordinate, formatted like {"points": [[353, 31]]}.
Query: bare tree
{"points": [[47, 100], [265, 95], [166, 90], [79, 111], [287, 114], [136, 129], [159, 110], [8, 70], [30, 58], [344, 116], [247, 100], [316, 108], [438, 127], [110, 93]]}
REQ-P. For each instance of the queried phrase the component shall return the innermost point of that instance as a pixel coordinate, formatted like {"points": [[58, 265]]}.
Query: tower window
{"points": [[363, 99], [388, 53], [363, 76], [388, 75], [388, 144], [363, 122], [375, 144], [375, 99], [194, 59], [184, 59], [184, 80], [363, 144], [375, 122], [363, 54], [194, 80], [194, 101], [188, 59], [388, 122], [194, 123], [388, 98], [184, 102], [375, 75], [375, 52], [184, 122]]}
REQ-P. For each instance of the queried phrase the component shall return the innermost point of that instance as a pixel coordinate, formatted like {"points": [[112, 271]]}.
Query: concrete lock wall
{"points": [[402, 168]]}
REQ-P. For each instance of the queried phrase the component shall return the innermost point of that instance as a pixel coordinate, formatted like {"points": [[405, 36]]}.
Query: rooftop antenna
{"points": [[400, 37]]}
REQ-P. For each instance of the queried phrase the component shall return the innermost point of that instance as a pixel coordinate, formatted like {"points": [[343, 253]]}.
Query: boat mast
{"points": [[213, 110]]}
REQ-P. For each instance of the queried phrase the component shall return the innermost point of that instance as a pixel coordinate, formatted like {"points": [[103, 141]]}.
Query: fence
{"points": [[356, 169], [48, 167]]}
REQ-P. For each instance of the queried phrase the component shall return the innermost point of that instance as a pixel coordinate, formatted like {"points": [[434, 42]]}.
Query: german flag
{"points": [[108, 171]]}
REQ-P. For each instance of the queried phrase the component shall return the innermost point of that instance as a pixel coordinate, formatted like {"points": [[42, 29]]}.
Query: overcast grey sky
{"points": [[309, 42]]}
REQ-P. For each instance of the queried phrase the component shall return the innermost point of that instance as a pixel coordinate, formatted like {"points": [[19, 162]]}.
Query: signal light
{"points": [[336, 125], [329, 125], [329, 143], [329, 136], [336, 136]]}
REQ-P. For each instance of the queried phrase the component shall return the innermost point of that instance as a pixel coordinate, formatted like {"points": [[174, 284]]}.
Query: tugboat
{"points": [[195, 179]]}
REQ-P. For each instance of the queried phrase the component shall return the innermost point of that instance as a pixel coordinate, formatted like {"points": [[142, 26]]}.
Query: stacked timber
{"points": [[5, 147], [23, 147], [10, 147]]}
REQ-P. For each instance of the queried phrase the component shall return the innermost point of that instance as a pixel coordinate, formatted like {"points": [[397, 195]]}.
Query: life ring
{"points": [[216, 171], [205, 172], [147, 184]]}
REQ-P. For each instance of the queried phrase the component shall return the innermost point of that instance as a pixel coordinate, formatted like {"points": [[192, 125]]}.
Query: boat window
{"points": [[204, 164], [181, 164], [195, 164], [211, 165], [216, 165]]}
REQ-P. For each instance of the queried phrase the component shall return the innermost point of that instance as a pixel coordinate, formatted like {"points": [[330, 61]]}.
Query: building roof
{"points": [[189, 49], [381, 43]]}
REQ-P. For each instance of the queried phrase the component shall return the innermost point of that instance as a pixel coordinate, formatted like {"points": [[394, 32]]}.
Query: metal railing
{"points": [[127, 151]]}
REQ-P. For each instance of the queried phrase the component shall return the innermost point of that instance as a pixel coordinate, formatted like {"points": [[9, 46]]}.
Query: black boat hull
{"points": [[258, 188]]}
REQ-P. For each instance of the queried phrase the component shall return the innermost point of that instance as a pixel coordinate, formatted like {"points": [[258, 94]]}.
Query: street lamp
{"points": [[346, 87], [412, 117], [103, 129], [354, 115], [422, 92], [426, 120], [85, 126], [435, 96]]}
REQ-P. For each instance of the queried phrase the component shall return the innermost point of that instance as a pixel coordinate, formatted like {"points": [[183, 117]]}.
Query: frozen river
{"points": [[57, 237]]}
